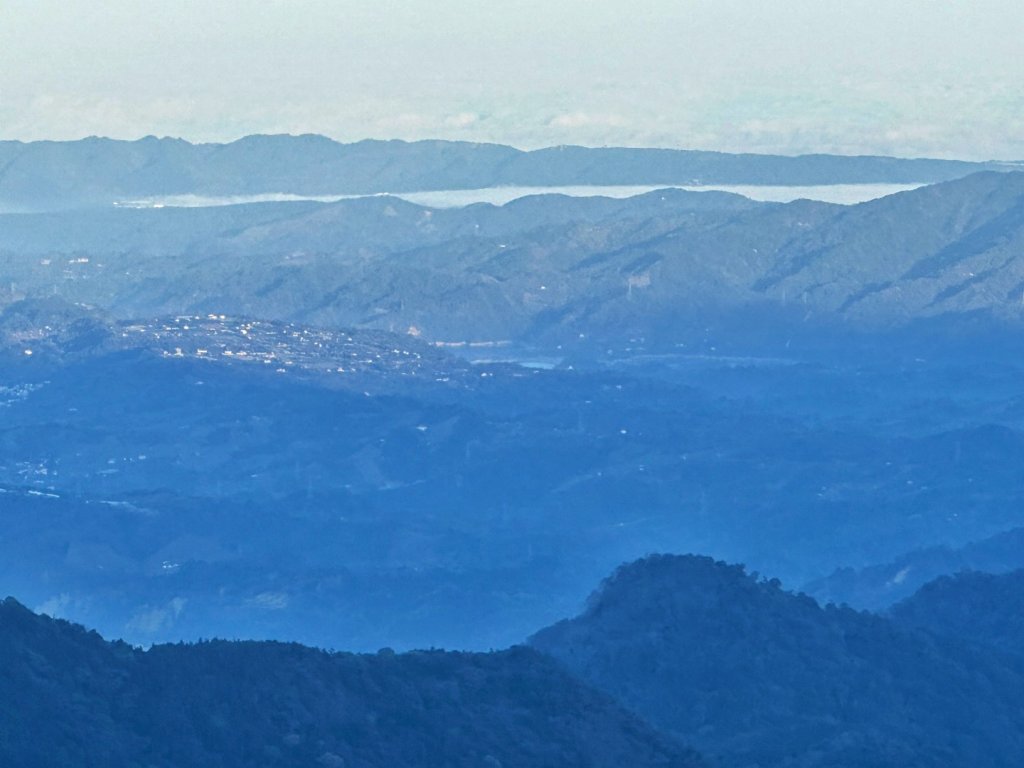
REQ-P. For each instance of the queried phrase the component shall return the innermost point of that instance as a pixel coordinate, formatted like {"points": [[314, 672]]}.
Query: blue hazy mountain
{"points": [[670, 267], [67, 697], [983, 608], [96, 171], [879, 586], [753, 675]]}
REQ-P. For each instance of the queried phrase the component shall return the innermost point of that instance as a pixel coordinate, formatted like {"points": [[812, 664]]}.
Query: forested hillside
{"points": [[753, 675], [982, 608], [67, 697]]}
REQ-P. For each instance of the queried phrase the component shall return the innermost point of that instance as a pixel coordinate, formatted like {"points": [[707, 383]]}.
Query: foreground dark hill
{"points": [[753, 675], [983, 608], [69, 698], [95, 171], [672, 267]]}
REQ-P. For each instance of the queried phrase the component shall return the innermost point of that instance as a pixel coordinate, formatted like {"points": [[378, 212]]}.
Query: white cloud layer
{"points": [[909, 78]]}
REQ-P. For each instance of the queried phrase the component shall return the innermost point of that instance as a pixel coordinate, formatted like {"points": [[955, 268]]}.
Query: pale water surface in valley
{"points": [[843, 194]]}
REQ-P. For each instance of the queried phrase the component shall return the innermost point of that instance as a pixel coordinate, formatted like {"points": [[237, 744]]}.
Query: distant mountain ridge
{"points": [[49, 175], [879, 586], [666, 265]]}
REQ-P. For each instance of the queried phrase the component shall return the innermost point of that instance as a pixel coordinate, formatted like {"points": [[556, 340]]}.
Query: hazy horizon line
{"points": [[518, 147]]}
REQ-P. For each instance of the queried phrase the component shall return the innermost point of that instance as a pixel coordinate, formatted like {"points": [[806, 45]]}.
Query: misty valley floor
{"points": [[199, 476]]}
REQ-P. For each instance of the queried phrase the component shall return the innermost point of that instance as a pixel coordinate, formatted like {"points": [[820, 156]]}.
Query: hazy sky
{"points": [[907, 77]]}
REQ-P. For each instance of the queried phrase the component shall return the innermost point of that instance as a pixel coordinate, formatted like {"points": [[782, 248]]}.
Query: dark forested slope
{"points": [[69, 698], [984, 608], [757, 676]]}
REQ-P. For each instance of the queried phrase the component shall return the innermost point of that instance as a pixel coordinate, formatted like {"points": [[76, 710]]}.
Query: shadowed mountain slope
{"points": [[983, 608], [69, 698], [753, 675]]}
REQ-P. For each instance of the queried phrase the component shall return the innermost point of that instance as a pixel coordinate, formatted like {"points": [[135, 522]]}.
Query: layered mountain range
{"points": [[669, 651], [47, 175], [370, 423], [884, 584], [672, 267]]}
